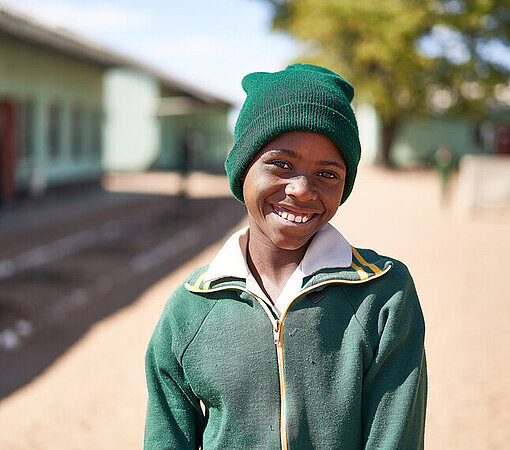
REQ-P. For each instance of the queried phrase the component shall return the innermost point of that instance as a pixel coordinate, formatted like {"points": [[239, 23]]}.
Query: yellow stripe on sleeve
{"points": [[362, 274], [199, 280], [362, 261]]}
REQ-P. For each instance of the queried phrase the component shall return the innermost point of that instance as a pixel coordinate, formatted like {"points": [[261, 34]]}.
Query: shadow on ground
{"points": [[58, 324]]}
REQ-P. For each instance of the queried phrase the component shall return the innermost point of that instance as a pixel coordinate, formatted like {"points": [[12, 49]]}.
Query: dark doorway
{"points": [[7, 151]]}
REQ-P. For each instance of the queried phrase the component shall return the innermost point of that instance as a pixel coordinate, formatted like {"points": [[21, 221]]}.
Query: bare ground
{"points": [[93, 397]]}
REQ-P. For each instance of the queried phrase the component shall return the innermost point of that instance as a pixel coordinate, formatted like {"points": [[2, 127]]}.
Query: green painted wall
{"points": [[132, 137], [41, 78], [208, 139], [418, 139]]}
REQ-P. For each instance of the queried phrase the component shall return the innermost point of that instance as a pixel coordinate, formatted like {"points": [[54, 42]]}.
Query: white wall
{"points": [[369, 132]]}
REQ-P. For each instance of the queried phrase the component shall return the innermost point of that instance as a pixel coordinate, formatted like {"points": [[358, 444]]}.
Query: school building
{"points": [[419, 137], [71, 110]]}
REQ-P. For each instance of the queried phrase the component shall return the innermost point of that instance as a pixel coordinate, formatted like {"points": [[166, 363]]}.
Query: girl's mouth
{"points": [[293, 216]]}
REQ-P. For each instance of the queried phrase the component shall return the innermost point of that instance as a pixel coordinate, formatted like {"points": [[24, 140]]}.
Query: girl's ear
{"points": [[242, 185]]}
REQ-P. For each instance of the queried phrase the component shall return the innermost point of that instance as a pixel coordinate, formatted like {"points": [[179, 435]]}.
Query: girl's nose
{"points": [[301, 187]]}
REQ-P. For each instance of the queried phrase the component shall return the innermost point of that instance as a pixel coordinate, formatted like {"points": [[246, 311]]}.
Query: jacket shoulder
{"points": [[182, 316], [392, 293], [196, 276], [370, 257]]}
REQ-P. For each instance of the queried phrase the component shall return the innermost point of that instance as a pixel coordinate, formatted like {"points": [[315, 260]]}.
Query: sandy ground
{"points": [[94, 396]]}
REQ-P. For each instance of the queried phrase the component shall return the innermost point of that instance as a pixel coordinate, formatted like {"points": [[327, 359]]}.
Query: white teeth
{"points": [[293, 217]]}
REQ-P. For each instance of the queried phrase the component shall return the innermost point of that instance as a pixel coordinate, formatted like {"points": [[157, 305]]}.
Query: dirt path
{"points": [[94, 396]]}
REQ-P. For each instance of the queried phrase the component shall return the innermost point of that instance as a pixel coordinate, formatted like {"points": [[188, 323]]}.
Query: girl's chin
{"points": [[288, 244]]}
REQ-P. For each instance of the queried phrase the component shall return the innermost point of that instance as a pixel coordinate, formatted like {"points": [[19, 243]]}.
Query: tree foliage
{"points": [[408, 56]]}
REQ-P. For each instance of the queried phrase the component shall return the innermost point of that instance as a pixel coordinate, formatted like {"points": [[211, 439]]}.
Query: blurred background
{"points": [[115, 120]]}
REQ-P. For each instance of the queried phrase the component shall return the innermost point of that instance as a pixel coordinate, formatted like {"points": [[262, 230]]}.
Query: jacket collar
{"points": [[364, 265], [328, 249]]}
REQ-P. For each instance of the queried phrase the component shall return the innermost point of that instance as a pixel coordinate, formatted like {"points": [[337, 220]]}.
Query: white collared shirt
{"points": [[328, 249]]}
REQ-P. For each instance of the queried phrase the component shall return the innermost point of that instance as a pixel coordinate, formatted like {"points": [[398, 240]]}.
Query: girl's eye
{"points": [[329, 175], [281, 164]]}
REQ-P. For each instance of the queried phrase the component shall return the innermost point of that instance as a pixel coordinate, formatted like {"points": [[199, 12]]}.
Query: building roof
{"points": [[27, 29]]}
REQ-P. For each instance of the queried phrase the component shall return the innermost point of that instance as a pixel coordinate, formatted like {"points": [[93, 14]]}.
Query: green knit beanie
{"points": [[303, 97]]}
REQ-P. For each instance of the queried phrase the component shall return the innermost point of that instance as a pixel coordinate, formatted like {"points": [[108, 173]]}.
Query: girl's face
{"points": [[292, 188]]}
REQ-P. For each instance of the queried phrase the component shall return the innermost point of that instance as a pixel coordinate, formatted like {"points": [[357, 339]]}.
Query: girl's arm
{"points": [[174, 418], [395, 385]]}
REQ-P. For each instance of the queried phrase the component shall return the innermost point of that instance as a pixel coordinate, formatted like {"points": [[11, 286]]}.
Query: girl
{"points": [[290, 337]]}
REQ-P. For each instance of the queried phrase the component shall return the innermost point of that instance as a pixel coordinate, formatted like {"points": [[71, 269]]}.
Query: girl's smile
{"points": [[293, 216]]}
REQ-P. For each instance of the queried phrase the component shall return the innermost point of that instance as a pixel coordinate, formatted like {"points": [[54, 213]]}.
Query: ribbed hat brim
{"points": [[297, 116]]}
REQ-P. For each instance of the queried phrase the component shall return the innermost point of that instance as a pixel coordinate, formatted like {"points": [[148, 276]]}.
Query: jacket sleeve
{"points": [[395, 384], [174, 417]]}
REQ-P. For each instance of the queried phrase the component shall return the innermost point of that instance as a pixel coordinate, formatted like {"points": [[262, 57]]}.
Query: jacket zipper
{"points": [[281, 375], [278, 335]]}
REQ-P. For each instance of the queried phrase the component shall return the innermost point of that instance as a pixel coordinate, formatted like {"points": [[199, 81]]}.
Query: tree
{"points": [[408, 56]]}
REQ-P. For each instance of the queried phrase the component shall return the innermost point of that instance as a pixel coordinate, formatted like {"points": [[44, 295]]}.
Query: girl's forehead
{"points": [[312, 147]]}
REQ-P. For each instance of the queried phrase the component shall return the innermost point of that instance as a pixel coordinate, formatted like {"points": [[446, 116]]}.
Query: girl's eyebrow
{"points": [[332, 163], [292, 153], [285, 151]]}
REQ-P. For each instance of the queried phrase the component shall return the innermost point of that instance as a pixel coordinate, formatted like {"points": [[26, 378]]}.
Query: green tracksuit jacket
{"points": [[343, 368]]}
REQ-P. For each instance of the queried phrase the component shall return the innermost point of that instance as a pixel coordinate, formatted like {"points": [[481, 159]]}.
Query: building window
{"points": [[77, 132], [25, 129], [54, 130]]}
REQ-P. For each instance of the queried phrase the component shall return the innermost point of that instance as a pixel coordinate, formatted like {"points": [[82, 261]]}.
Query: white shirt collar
{"points": [[328, 249]]}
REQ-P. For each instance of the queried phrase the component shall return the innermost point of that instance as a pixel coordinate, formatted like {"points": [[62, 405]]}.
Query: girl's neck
{"points": [[271, 266]]}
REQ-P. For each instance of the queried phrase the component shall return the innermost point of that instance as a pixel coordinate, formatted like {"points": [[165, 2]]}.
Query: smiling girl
{"points": [[290, 337]]}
